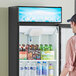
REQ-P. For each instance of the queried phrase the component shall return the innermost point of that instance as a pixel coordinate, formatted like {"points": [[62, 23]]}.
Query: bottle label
{"points": [[50, 72], [25, 68], [39, 70], [44, 70], [21, 68]]}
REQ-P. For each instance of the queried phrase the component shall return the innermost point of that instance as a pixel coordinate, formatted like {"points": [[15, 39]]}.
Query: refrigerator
{"points": [[36, 36]]}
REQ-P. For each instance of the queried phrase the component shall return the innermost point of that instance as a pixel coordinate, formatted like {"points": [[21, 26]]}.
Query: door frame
{"points": [[61, 26]]}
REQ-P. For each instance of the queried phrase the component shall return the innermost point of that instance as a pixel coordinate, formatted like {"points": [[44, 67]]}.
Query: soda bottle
{"points": [[46, 47], [38, 56], [23, 47], [21, 68], [34, 56], [30, 56], [27, 47], [41, 47], [44, 69], [27, 69], [39, 69], [37, 47], [33, 69], [51, 70], [20, 48], [50, 47]]}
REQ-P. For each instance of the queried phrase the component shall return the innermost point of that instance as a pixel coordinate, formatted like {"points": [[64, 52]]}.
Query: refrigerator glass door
{"points": [[66, 33], [38, 48]]}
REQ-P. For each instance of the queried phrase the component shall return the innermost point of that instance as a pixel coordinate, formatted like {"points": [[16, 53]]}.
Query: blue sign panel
{"points": [[40, 14]]}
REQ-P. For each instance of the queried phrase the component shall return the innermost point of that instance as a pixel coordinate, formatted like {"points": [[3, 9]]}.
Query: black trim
{"points": [[65, 25], [59, 50], [37, 24], [13, 42]]}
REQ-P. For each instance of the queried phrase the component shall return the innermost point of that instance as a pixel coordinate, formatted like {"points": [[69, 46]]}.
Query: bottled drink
{"points": [[37, 47], [27, 47], [33, 69], [41, 47], [32, 47], [30, 55], [23, 47], [27, 69], [50, 47], [51, 70], [21, 68], [44, 69], [38, 57], [23, 55], [39, 69], [34, 56], [46, 47], [20, 48]]}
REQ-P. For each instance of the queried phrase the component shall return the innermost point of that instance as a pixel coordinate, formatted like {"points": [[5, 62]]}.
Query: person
{"points": [[70, 63]]}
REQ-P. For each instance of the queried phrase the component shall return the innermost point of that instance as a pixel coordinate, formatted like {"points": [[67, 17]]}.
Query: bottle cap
{"points": [[50, 64], [38, 62], [44, 61], [31, 67]]}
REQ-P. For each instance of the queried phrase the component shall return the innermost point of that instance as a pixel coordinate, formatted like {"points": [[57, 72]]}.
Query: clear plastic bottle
{"points": [[33, 69], [44, 68], [21, 68], [27, 69], [39, 69], [51, 70]]}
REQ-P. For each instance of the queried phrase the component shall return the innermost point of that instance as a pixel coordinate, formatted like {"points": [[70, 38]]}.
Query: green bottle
{"points": [[46, 47], [50, 47], [41, 47]]}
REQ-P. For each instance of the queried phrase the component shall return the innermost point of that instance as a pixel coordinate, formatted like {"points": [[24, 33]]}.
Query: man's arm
{"points": [[64, 72]]}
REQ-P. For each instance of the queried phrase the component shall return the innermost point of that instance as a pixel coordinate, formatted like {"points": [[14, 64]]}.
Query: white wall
{"points": [[67, 5]]}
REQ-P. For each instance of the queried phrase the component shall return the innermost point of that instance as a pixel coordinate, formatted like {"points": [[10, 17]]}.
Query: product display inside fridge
{"points": [[38, 50], [37, 68], [38, 42]]}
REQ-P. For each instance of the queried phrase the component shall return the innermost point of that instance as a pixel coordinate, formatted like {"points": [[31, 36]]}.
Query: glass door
{"points": [[38, 50], [66, 33]]}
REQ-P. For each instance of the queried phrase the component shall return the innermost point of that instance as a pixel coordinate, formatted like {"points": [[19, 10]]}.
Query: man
{"points": [[70, 65]]}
